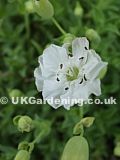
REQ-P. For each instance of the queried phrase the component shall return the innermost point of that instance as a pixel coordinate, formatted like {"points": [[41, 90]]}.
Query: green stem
{"points": [[27, 25], [81, 111], [58, 26], [82, 132], [39, 137]]}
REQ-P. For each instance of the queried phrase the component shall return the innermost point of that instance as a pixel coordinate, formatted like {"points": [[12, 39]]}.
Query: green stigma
{"points": [[72, 73]]}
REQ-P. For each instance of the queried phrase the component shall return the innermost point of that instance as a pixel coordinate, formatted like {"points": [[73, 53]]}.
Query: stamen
{"points": [[66, 88], [85, 78], [81, 81], [68, 73], [58, 79], [61, 66], [72, 73]]}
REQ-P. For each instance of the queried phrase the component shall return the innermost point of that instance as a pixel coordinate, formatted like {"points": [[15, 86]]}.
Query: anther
{"points": [[61, 66], [85, 78], [86, 48], [66, 88], [81, 81], [58, 79], [81, 58]]}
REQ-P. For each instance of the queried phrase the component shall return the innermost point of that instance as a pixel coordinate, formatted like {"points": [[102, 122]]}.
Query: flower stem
{"points": [[58, 26], [38, 138], [27, 25], [81, 111]]}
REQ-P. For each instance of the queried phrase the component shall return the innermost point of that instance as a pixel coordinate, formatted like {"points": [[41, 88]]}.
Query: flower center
{"points": [[72, 73]]}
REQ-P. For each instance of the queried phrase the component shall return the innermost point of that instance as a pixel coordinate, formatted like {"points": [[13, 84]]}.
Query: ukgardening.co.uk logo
{"points": [[33, 100]]}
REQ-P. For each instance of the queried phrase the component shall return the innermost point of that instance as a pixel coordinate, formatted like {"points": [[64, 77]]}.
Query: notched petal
{"points": [[79, 45]]}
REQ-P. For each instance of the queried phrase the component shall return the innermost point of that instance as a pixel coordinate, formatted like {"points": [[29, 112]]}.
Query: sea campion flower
{"points": [[62, 75]]}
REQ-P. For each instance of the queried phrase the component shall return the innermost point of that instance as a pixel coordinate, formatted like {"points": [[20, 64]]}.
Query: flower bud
{"points": [[87, 121], [78, 129], [16, 119], [29, 6], [44, 8], [93, 36], [102, 73], [23, 145], [76, 149], [22, 155], [25, 124], [15, 93], [78, 10], [117, 150], [68, 38]]}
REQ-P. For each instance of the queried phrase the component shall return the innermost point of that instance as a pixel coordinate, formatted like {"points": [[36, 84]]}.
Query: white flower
{"points": [[62, 76]]}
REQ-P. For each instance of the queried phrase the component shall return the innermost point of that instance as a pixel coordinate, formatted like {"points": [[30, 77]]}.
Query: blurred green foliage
{"points": [[23, 37]]}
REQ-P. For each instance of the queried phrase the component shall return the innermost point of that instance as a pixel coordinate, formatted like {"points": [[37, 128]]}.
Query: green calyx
{"points": [[93, 35], [29, 6], [22, 155], [26, 146], [84, 122], [117, 149], [43, 8], [76, 149], [24, 123], [72, 74], [78, 11], [68, 38]]}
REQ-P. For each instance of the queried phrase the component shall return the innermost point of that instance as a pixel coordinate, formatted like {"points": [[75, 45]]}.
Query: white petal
{"points": [[66, 46], [80, 46], [53, 89], [93, 66], [53, 56], [81, 92], [95, 54], [76, 93], [38, 79], [94, 73], [40, 60], [66, 99], [94, 87]]}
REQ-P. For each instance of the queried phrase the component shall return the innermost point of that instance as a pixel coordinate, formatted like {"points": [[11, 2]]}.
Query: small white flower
{"points": [[61, 76]]}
